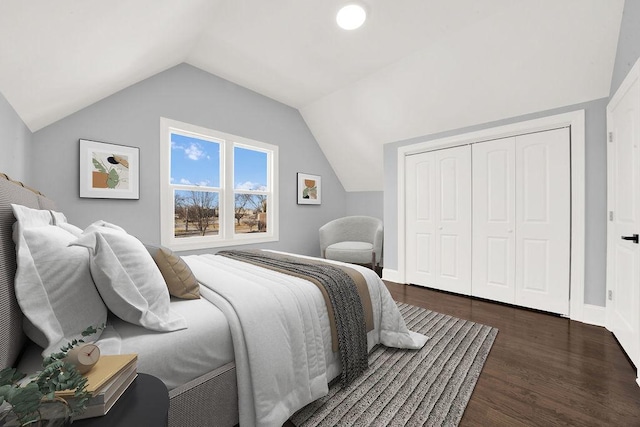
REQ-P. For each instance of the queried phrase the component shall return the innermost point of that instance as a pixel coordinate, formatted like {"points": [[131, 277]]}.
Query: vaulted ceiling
{"points": [[416, 66]]}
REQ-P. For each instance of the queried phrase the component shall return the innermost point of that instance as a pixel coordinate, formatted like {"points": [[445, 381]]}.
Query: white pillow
{"points": [[60, 220], [53, 282], [128, 279], [101, 225]]}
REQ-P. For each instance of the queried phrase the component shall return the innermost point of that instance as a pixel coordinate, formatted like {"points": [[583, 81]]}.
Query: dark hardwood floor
{"points": [[543, 370]]}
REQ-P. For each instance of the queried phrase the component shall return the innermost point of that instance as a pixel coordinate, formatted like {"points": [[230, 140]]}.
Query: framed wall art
{"points": [[109, 171], [309, 189]]}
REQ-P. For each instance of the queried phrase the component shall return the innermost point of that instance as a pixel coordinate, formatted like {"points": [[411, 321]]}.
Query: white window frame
{"points": [[226, 234]]}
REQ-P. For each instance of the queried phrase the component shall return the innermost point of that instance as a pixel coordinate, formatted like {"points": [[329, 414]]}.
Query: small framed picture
{"points": [[309, 189], [109, 171]]}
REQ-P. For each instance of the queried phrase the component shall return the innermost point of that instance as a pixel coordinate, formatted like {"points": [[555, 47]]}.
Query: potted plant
{"points": [[34, 403], [106, 176]]}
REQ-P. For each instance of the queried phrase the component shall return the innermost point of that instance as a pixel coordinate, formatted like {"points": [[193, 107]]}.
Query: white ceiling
{"points": [[416, 67]]}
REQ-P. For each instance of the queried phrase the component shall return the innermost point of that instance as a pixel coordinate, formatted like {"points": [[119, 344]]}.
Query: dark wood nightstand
{"points": [[145, 403]]}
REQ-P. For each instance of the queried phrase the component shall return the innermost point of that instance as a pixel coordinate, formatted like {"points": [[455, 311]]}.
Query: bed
{"points": [[248, 355]]}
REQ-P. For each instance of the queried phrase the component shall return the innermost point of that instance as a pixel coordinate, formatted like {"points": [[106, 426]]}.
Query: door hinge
{"points": [[610, 136], [610, 215], [610, 295]]}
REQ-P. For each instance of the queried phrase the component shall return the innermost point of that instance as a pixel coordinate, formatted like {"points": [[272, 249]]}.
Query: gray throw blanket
{"points": [[344, 297]]}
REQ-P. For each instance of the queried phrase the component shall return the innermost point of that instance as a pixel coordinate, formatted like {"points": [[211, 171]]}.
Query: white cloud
{"points": [[248, 185], [194, 152], [185, 181]]}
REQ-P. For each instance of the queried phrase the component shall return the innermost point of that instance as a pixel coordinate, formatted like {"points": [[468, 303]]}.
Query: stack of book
{"points": [[106, 382]]}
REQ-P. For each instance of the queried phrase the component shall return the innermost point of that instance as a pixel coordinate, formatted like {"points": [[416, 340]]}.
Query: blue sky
{"points": [[196, 162], [249, 169]]}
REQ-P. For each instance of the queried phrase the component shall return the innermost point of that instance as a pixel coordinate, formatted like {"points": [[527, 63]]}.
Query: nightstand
{"points": [[145, 403]]}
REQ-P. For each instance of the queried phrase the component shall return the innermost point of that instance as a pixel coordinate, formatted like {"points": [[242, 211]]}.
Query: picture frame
{"points": [[109, 171], [309, 189]]}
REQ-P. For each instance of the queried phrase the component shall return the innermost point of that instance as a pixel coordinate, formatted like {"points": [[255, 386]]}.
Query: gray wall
{"points": [[595, 197], [628, 50], [370, 203], [15, 140], [185, 93]]}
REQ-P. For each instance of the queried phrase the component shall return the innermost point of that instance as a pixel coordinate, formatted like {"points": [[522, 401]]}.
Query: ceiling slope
{"points": [[517, 58], [416, 67], [57, 57]]}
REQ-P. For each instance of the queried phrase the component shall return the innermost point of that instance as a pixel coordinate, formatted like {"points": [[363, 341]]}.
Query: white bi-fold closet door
{"points": [[521, 220], [438, 209], [492, 219]]}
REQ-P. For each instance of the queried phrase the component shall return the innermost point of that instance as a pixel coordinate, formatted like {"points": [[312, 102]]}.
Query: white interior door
{"points": [[421, 221], [543, 216], [493, 270], [623, 254], [438, 195]]}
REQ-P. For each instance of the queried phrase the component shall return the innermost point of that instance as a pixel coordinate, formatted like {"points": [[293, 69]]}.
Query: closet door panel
{"points": [[424, 251], [493, 269], [438, 209], [543, 206], [453, 231], [421, 225]]}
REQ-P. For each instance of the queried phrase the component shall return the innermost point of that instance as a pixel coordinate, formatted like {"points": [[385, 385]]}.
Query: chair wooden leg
{"points": [[373, 261]]}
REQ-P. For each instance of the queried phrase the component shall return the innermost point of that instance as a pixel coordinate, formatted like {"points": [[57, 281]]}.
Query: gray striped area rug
{"points": [[426, 387]]}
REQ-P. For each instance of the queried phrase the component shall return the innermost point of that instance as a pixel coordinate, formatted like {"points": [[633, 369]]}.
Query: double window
{"points": [[217, 189]]}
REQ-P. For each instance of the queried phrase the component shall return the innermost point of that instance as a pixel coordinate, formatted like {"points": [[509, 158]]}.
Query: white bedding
{"points": [[281, 334], [175, 357]]}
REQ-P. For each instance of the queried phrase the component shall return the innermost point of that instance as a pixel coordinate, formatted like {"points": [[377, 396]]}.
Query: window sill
{"points": [[198, 243]]}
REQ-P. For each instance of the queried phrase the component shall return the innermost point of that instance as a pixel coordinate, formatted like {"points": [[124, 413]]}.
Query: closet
{"points": [[492, 219]]}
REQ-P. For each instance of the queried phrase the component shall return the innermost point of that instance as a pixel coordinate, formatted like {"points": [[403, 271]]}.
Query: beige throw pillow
{"points": [[177, 274]]}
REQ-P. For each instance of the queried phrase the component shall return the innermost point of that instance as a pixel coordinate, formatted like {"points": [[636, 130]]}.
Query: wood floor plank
{"points": [[543, 370]]}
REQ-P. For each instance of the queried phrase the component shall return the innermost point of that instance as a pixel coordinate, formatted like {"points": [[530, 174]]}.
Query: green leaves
{"points": [[56, 375], [92, 330], [24, 400], [98, 166], [113, 179], [9, 376]]}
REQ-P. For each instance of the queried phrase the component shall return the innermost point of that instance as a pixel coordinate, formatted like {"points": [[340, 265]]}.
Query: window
{"points": [[217, 189]]}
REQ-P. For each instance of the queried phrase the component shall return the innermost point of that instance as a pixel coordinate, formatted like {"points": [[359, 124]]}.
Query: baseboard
{"points": [[391, 275], [594, 315], [591, 314]]}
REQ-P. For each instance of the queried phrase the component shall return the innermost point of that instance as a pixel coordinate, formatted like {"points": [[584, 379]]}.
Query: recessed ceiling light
{"points": [[351, 16]]}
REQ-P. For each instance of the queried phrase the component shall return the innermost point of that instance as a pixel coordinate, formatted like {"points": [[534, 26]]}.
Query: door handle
{"points": [[633, 238]]}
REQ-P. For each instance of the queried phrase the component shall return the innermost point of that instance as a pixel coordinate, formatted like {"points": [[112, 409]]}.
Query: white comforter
{"points": [[281, 334]]}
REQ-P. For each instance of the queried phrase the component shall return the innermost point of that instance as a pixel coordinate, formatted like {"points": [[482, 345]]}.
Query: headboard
{"points": [[11, 336]]}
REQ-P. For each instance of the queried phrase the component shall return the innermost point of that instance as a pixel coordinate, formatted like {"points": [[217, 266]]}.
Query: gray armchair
{"points": [[352, 239]]}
